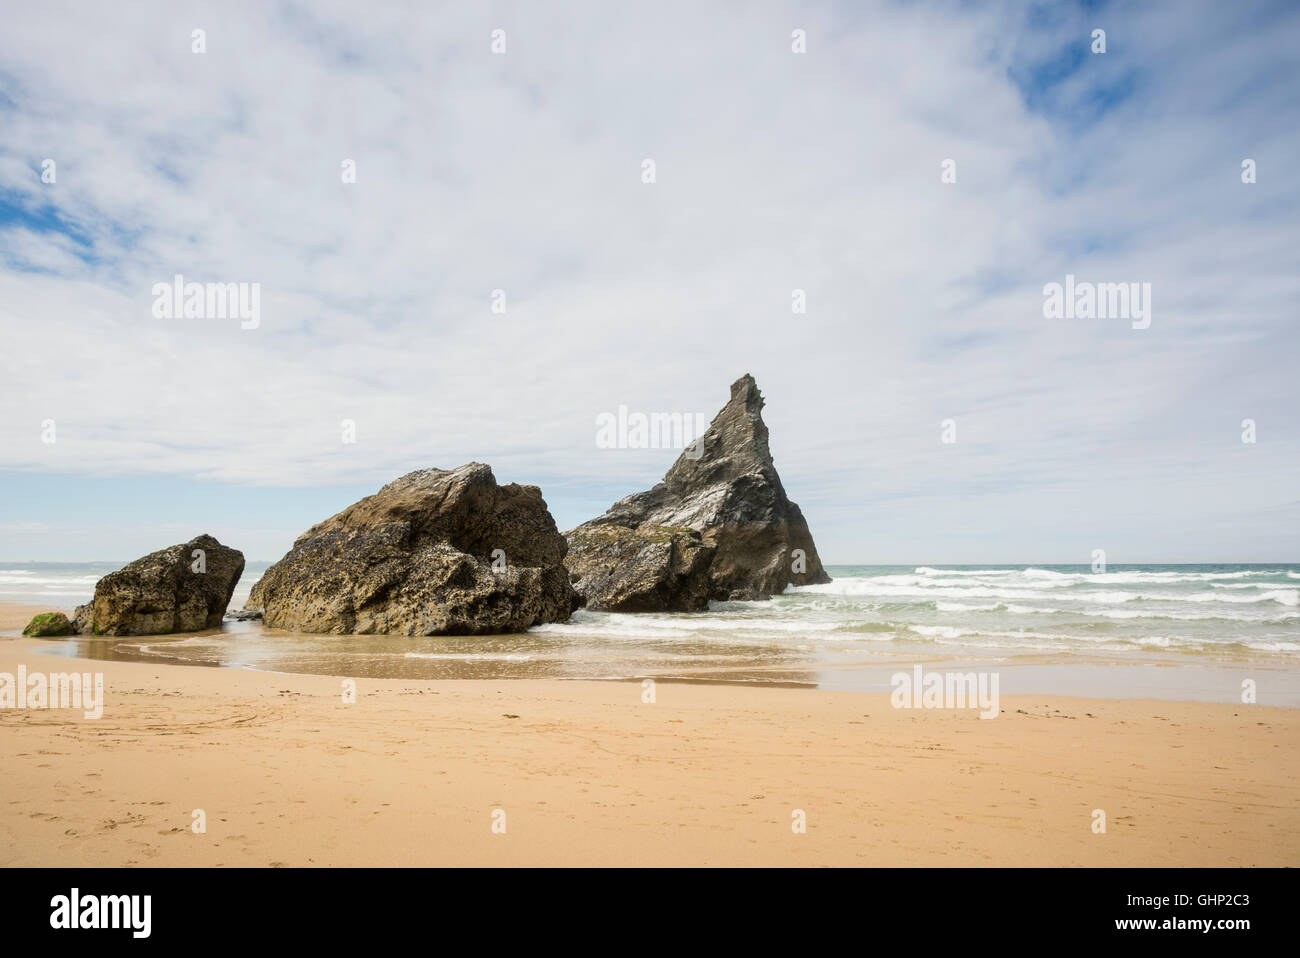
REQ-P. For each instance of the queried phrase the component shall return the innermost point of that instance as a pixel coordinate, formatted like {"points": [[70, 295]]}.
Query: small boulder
{"points": [[48, 625]]}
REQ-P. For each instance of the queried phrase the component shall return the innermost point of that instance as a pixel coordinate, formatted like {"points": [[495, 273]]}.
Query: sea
{"points": [[1192, 631]]}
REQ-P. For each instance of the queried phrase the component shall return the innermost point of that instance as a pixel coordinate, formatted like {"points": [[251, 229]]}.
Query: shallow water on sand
{"points": [[1160, 631]]}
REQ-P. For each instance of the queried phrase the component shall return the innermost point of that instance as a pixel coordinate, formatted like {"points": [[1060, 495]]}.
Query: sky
{"points": [[524, 171]]}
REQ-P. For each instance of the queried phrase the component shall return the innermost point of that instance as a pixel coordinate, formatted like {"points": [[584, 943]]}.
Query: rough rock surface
{"points": [[719, 526], [48, 624], [242, 615], [420, 557], [171, 590]]}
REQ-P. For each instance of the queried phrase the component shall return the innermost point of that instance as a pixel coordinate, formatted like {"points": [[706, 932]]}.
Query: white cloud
{"points": [[776, 171]]}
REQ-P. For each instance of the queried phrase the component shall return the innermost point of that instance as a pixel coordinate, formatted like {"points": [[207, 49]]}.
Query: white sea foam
{"points": [[1128, 576], [939, 631], [650, 624], [927, 571], [872, 588], [28, 579], [1016, 609], [1282, 596]]}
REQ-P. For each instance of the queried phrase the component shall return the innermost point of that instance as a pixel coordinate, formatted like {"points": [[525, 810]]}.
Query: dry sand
{"points": [[587, 774], [15, 616]]}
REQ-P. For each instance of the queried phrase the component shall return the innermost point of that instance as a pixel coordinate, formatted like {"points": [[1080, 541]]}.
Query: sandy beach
{"points": [[587, 773]]}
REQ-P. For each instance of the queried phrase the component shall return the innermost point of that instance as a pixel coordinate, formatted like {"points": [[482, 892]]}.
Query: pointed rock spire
{"points": [[719, 526]]}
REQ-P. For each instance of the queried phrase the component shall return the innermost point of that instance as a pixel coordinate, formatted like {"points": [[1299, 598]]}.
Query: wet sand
{"points": [[587, 773], [1173, 676]]}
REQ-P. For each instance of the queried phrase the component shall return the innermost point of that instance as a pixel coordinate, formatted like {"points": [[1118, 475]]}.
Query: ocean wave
{"points": [[40, 595], [649, 624], [27, 579], [1052, 642], [867, 588], [1169, 614], [471, 656], [1281, 596], [940, 631], [1169, 578], [873, 588], [957, 632], [859, 628], [1130, 576], [890, 608], [927, 571]]}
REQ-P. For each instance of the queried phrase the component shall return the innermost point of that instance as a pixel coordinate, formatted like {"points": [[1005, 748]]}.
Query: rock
{"points": [[184, 588], [48, 624], [436, 552], [643, 569], [243, 615], [719, 526]]}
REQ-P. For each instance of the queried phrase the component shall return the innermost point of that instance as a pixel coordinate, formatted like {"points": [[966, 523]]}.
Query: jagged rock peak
{"points": [[719, 526]]}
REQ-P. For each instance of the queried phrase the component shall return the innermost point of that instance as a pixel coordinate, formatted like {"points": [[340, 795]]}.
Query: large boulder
{"points": [[436, 552], [184, 588], [719, 526]]}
